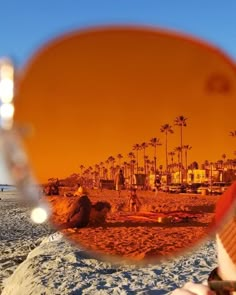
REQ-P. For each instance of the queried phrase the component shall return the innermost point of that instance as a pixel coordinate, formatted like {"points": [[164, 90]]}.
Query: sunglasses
{"points": [[126, 130]]}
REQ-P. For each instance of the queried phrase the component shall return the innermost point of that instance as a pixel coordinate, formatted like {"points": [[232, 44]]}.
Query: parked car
{"points": [[218, 188], [203, 188], [177, 188], [164, 188], [192, 188]]}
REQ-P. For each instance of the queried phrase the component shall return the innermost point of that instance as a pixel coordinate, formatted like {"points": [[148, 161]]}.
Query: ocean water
{"points": [[5, 187]]}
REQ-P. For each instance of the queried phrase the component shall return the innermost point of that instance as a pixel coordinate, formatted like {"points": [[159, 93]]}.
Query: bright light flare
{"points": [[6, 81], [7, 111], [39, 215], [6, 69], [6, 90]]}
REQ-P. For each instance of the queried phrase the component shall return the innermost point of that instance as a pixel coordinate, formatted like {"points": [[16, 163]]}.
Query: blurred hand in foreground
{"points": [[194, 289]]}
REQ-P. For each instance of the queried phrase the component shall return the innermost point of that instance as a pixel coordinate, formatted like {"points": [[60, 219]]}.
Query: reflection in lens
{"points": [[131, 139]]}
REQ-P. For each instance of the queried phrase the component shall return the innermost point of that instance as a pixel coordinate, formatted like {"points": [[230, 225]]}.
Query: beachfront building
{"points": [[193, 176], [197, 176]]}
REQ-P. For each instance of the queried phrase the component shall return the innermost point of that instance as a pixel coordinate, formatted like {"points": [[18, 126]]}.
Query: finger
{"points": [[198, 289]]}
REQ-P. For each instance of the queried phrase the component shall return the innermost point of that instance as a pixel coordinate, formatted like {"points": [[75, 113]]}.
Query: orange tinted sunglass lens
{"points": [[151, 103]]}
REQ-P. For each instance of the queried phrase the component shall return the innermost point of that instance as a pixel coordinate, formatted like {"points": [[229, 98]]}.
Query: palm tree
{"points": [[171, 154], [178, 149], [154, 142], [181, 122], [166, 128], [148, 162], [125, 164], [131, 156], [101, 164], [143, 147], [186, 148], [224, 158], [111, 160], [152, 163], [81, 169], [119, 157], [136, 148]]}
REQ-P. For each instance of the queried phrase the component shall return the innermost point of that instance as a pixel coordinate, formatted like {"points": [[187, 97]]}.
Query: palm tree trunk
{"points": [[181, 152], [144, 160], [137, 160], [155, 160], [186, 164], [166, 155]]}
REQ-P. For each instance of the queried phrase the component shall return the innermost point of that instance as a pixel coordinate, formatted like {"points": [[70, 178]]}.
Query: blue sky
{"points": [[25, 25]]}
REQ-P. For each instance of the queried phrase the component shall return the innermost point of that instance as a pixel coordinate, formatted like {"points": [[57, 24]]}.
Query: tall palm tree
{"points": [[186, 148], [166, 128], [81, 169], [224, 158], [101, 164], [131, 156], [181, 122], [125, 165], [119, 157], [178, 149], [143, 147], [111, 160], [171, 154], [154, 142], [137, 147], [148, 162]]}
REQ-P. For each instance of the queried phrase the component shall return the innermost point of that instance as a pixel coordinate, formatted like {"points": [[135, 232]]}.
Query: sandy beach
{"points": [[18, 235], [33, 261], [164, 225]]}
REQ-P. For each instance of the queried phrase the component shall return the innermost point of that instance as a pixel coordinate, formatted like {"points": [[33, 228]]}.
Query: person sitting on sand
{"points": [[222, 280], [78, 192], [134, 202], [79, 214]]}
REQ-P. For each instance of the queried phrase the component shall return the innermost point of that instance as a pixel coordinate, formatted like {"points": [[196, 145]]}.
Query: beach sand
{"points": [[165, 224], [34, 261], [18, 235]]}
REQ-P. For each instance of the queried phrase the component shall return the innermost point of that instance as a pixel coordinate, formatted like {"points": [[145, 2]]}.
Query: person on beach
{"points": [[134, 202], [79, 214], [119, 181], [222, 280], [78, 192]]}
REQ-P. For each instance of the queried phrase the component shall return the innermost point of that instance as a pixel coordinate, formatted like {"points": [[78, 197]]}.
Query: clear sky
{"points": [[27, 25]]}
